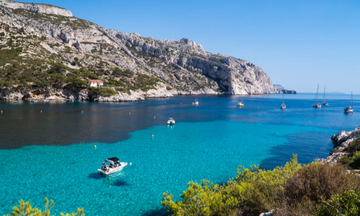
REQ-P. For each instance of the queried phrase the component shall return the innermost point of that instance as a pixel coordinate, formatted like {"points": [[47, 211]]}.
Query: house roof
{"points": [[99, 81]]}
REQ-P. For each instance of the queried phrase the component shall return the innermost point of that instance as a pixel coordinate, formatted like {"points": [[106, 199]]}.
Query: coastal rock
{"points": [[341, 141]]}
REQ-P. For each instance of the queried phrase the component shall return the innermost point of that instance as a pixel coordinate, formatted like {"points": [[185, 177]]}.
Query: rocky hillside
{"points": [[47, 53]]}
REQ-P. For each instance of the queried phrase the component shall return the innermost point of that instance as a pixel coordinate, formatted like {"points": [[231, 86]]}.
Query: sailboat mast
{"points": [[324, 94], [317, 92], [283, 98], [351, 100]]}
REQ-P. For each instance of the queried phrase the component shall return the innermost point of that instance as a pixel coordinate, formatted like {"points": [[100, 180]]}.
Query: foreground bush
{"points": [[289, 190], [312, 185], [25, 209], [253, 191], [347, 204]]}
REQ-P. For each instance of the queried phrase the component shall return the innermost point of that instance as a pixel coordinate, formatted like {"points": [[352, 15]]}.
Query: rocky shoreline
{"points": [[341, 141]]}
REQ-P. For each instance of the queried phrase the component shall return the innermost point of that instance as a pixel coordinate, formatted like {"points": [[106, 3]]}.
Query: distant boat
{"points": [[171, 121], [34, 101], [46, 101], [15, 101], [196, 102], [349, 109], [63, 101], [316, 104], [240, 104], [324, 103], [283, 106]]}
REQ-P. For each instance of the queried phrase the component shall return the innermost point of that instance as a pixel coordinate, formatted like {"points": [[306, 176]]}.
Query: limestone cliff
{"points": [[48, 34]]}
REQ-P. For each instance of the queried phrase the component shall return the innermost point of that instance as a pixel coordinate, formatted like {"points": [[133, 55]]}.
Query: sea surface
{"points": [[47, 149]]}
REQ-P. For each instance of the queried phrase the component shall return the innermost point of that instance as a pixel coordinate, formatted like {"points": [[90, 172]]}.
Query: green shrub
{"points": [[354, 146], [355, 160], [313, 184], [254, 191], [344, 160], [127, 73], [25, 209], [347, 203], [106, 92]]}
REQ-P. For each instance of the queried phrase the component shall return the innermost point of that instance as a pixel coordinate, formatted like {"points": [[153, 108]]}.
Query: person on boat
{"points": [[104, 167]]}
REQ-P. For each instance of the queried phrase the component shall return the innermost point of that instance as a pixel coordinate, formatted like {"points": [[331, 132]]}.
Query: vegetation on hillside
{"points": [[352, 155], [289, 190], [25, 209]]}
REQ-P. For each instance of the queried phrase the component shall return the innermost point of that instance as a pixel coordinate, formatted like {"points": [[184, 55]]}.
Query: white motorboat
{"points": [[196, 102], [46, 101], [63, 101], [171, 121], [112, 165], [34, 101]]}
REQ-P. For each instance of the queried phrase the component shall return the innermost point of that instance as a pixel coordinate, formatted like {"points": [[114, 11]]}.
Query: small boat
{"points": [[112, 165], [283, 106], [196, 102], [349, 109], [171, 121], [63, 101], [240, 104], [316, 104], [324, 103], [34, 101], [46, 101], [15, 101]]}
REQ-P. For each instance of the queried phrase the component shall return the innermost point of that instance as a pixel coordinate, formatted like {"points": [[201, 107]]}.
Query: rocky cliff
{"points": [[342, 141], [39, 35]]}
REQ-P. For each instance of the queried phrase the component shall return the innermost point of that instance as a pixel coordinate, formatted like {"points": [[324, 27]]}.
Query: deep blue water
{"points": [[51, 153]]}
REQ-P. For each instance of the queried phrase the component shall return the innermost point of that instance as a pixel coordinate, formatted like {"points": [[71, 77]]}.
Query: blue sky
{"points": [[299, 44]]}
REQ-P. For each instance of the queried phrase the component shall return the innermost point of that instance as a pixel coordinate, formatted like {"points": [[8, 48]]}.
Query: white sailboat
{"points": [[349, 109], [316, 104], [324, 103], [283, 106]]}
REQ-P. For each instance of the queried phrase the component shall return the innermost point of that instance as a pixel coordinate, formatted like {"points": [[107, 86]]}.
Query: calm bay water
{"points": [[51, 154]]}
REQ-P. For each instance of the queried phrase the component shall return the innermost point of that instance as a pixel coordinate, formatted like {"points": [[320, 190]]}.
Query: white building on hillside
{"points": [[95, 83]]}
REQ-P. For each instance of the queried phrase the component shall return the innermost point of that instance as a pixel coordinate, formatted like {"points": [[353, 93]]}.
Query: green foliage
{"points": [[354, 162], [144, 82], [25, 209], [117, 72], [347, 204], [313, 184], [252, 192], [344, 160], [106, 92], [354, 146]]}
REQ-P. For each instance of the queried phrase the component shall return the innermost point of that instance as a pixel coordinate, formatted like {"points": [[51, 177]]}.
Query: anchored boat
{"points": [[316, 104], [112, 165], [283, 106], [171, 121], [196, 102], [349, 109], [324, 103], [240, 104]]}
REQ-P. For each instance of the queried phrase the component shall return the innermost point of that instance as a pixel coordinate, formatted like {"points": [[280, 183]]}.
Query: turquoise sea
{"points": [[47, 150]]}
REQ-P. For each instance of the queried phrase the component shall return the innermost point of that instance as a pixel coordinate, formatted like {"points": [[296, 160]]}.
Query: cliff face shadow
{"points": [[299, 144], [95, 176], [157, 212]]}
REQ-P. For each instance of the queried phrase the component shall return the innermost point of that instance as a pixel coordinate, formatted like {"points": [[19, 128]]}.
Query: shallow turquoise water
{"points": [[208, 142], [165, 162]]}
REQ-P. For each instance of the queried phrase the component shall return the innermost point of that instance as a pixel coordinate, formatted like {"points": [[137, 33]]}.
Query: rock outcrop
{"points": [[341, 141], [180, 66], [38, 8]]}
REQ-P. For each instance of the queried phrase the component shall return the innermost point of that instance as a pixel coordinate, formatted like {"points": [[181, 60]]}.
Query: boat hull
{"points": [[113, 170]]}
